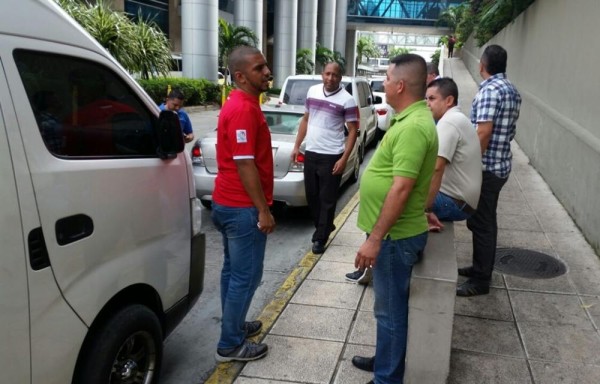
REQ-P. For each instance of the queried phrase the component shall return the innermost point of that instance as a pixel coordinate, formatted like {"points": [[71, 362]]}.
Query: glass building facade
{"points": [[406, 12], [154, 10]]}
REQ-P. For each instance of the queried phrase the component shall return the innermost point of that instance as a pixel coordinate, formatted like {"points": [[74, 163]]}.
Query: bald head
{"points": [[412, 70], [240, 57]]}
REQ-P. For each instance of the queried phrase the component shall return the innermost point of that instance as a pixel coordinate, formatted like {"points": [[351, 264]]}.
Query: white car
{"points": [[383, 109]]}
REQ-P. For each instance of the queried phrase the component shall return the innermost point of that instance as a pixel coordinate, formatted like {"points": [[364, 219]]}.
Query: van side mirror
{"points": [[378, 100], [168, 135]]}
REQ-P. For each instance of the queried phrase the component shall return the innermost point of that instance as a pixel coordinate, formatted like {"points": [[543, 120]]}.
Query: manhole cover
{"points": [[529, 264]]}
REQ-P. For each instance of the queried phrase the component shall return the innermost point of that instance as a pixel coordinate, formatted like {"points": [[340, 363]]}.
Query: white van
{"points": [[295, 89], [102, 254]]}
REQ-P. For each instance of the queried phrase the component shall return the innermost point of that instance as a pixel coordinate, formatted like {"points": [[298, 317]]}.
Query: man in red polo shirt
{"points": [[241, 199]]}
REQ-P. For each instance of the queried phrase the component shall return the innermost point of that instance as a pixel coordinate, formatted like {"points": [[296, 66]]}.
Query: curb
{"points": [[226, 373]]}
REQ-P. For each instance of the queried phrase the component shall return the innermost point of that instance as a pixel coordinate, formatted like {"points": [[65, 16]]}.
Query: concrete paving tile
{"points": [[250, 380], [591, 305], [556, 220], [340, 254], [364, 331], [512, 195], [368, 300], [297, 360], [328, 294], [560, 284], [462, 234], [348, 373], [524, 222], [573, 249], [349, 239], [522, 239], [513, 207], [494, 306], [331, 271], [556, 373], [312, 322], [549, 309], [487, 336], [561, 343], [586, 280], [349, 225], [473, 368]]}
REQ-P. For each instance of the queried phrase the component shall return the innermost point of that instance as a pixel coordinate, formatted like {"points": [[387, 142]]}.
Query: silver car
{"points": [[283, 123]]}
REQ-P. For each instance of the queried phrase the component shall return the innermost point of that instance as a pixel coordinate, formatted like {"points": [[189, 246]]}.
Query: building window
{"points": [[153, 10]]}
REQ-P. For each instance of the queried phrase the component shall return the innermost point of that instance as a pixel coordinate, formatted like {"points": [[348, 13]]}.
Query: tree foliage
{"points": [[395, 51], [304, 63], [231, 36], [365, 49], [140, 47], [325, 55]]}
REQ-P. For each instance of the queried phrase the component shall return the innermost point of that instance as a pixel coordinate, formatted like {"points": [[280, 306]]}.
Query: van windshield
{"points": [[296, 90]]}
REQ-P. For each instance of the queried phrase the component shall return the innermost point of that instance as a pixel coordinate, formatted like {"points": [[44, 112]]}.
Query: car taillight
{"points": [[196, 152], [196, 155], [298, 165], [381, 111]]}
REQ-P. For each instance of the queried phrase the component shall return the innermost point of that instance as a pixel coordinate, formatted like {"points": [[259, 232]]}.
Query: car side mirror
{"points": [[168, 135], [378, 100]]}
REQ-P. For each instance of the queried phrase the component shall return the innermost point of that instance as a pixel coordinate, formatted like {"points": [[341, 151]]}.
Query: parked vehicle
{"points": [[283, 123], [294, 92], [102, 254], [384, 110]]}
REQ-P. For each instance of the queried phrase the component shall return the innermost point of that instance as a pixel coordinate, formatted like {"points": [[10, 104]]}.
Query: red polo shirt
{"points": [[242, 133]]}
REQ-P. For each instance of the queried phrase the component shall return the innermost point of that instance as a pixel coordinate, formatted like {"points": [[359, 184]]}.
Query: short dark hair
{"points": [[432, 68], [446, 86], [417, 68], [176, 94], [238, 57], [494, 59]]}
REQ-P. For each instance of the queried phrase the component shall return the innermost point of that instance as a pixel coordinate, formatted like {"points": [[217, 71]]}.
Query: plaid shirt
{"points": [[497, 101]]}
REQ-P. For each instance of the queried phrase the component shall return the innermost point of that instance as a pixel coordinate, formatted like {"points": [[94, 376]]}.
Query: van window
{"points": [[377, 85], [363, 93], [83, 109], [296, 90]]}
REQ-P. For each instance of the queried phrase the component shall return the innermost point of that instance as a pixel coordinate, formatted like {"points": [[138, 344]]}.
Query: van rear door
{"points": [[14, 302]]}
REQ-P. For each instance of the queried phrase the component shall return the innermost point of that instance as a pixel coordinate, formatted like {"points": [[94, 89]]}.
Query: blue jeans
{"points": [[242, 269], [391, 282], [446, 209]]}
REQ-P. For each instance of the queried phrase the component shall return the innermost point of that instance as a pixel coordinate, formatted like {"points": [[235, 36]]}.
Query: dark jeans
{"points": [[484, 226], [321, 188]]}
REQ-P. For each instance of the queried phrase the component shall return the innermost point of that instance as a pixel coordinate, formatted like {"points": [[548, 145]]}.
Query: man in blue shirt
{"points": [[494, 113], [174, 102]]}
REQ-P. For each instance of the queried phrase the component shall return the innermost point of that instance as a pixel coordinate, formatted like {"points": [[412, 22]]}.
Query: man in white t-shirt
{"points": [[328, 108], [456, 183]]}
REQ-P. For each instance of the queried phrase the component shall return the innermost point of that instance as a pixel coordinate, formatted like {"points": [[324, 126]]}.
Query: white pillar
{"points": [[284, 40], [351, 53], [200, 38], [307, 26], [327, 23], [340, 27], [249, 13]]}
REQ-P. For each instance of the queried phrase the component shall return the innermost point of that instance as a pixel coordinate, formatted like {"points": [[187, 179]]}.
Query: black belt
{"points": [[466, 208]]}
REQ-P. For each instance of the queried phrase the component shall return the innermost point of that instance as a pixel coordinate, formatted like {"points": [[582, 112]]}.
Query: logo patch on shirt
{"points": [[240, 135]]}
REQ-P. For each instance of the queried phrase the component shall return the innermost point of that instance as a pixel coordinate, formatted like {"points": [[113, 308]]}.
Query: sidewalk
{"points": [[524, 331]]}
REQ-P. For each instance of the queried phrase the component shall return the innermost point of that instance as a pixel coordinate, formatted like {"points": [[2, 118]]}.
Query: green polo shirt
{"points": [[408, 149]]}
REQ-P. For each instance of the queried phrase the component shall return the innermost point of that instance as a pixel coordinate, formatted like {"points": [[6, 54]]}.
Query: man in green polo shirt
{"points": [[393, 191]]}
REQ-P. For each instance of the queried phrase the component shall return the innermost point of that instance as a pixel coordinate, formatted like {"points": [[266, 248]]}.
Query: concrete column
{"points": [[307, 26], [200, 38], [284, 41], [351, 53], [249, 13], [326, 24], [340, 27]]}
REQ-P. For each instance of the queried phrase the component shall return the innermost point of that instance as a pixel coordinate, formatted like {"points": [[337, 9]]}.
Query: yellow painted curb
{"points": [[226, 373]]}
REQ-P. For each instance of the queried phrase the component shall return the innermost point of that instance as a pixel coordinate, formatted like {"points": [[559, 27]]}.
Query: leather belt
{"points": [[466, 208]]}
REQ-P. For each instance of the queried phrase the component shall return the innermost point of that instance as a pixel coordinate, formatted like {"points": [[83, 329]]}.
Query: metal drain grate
{"points": [[528, 264]]}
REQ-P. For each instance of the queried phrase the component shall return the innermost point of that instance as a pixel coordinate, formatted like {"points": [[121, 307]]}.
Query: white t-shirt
{"points": [[326, 117], [459, 144]]}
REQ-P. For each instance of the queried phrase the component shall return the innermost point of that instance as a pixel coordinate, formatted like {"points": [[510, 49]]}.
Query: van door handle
{"points": [[73, 228]]}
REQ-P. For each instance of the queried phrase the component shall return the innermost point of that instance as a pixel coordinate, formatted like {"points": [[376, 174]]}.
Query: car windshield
{"points": [[377, 85], [296, 90], [282, 122]]}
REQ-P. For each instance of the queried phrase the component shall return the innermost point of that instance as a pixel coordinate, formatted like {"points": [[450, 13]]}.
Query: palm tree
{"points": [[304, 64], [365, 48], [323, 55], [231, 36], [399, 51]]}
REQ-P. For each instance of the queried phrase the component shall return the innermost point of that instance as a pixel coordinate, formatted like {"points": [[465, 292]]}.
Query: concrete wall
{"points": [[552, 59]]}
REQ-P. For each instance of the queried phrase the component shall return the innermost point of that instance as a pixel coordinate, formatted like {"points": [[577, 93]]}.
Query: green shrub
{"points": [[196, 91]]}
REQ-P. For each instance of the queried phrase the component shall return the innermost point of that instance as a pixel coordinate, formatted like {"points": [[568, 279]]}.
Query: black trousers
{"points": [[321, 188], [484, 227]]}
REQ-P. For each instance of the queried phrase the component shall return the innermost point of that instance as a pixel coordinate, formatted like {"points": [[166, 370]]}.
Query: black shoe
{"points": [[371, 382], [318, 247], [364, 363], [466, 271], [471, 288], [360, 277], [252, 328], [248, 351]]}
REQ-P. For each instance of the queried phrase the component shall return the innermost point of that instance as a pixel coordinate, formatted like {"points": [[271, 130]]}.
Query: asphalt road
{"points": [[189, 350]]}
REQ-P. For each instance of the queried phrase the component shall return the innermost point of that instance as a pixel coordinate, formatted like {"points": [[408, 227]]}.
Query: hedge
{"points": [[196, 91]]}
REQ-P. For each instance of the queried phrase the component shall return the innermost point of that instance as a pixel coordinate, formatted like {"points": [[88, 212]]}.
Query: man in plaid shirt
{"points": [[494, 113]]}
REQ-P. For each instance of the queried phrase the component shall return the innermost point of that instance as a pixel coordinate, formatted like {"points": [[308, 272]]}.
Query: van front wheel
{"points": [[126, 349]]}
